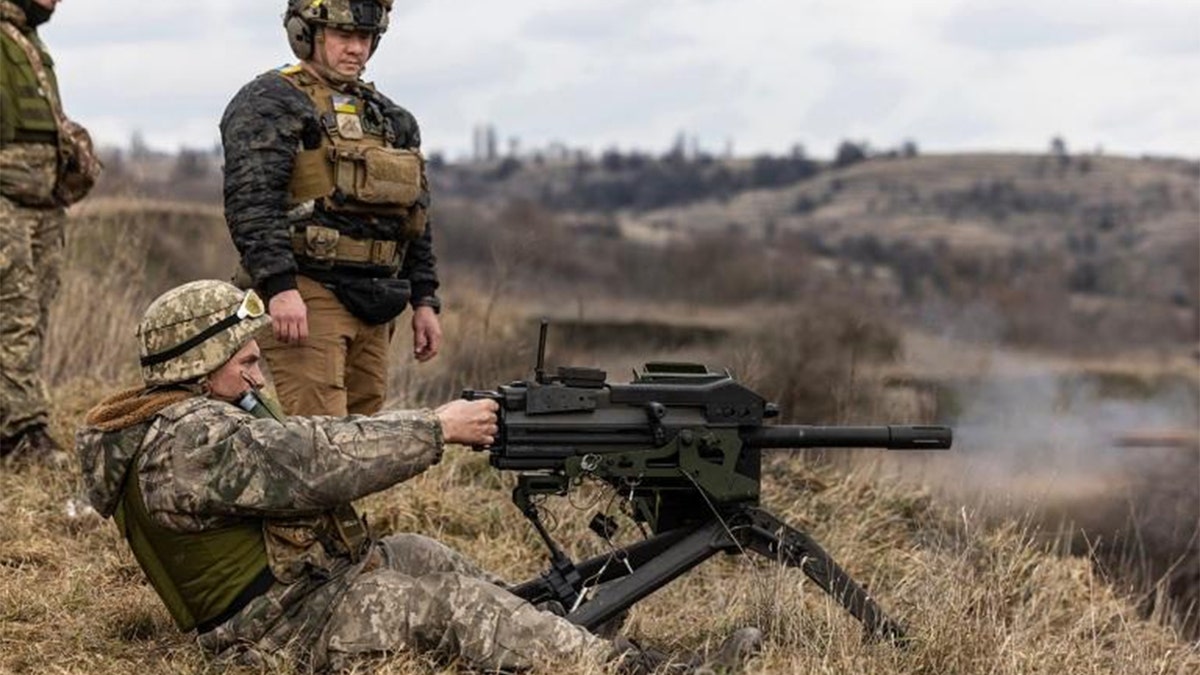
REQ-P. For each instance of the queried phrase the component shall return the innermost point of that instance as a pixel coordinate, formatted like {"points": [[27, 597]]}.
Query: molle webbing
{"points": [[355, 168], [29, 88]]}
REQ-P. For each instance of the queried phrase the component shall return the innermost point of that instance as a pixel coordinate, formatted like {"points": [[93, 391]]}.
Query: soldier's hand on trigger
{"points": [[469, 422], [289, 316]]}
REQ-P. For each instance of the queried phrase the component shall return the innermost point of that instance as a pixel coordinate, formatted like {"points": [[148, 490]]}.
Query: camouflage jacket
{"points": [[204, 464], [262, 129]]}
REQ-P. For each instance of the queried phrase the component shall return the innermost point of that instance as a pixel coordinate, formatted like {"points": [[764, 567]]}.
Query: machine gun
{"points": [[682, 446]]}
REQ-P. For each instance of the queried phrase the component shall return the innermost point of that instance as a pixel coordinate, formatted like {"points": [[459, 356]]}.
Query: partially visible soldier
{"points": [[327, 201], [242, 519], [46, 164]]}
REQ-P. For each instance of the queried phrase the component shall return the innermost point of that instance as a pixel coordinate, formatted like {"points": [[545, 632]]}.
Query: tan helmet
{"points": [[303, 17], [192, 330]]}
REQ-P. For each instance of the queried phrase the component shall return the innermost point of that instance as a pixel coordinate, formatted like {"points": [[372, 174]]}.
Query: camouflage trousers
{"points": [[413, 594], [428, 598], [31, 251]]}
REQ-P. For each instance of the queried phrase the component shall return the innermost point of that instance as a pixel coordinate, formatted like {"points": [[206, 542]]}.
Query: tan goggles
{"points": [[252, 306]]}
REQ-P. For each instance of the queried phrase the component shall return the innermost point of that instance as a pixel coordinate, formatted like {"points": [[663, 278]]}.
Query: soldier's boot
{"points": [[33, 446], [733, 653], [633, 659]]}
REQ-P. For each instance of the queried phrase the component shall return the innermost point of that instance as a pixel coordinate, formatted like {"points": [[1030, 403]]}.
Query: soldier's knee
{"points": [[419, 555]]}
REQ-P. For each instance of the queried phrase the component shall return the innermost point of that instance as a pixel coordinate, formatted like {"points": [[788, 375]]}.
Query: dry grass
{"points": [[979, 597]]}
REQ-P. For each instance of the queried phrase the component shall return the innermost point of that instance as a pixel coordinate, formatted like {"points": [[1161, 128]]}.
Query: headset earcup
{"points": [[300, 37]]}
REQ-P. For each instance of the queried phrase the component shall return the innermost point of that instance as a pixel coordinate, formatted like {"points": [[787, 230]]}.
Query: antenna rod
{"points": [[539, 371]]}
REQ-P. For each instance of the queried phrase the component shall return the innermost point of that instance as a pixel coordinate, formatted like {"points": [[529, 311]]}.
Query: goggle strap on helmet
{"points": [[182, 348], [251, 307]]}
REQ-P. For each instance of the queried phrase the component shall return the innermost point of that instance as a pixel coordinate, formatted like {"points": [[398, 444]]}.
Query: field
{"points": [[1060, 536]]}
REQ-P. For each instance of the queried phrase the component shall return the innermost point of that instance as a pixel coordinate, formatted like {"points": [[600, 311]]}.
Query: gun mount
{"points": [[683, 446]]}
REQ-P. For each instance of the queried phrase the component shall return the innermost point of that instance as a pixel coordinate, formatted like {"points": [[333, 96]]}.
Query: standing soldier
{"points": [[46, 164], [326, 199]]}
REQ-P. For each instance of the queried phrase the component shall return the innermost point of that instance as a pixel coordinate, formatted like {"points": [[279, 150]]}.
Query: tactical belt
{"points": [[327, 245]]}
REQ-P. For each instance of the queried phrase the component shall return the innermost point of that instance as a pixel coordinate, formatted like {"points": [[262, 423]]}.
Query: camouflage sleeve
{"points": [[261, 131], [420, 262], [207, 460]]}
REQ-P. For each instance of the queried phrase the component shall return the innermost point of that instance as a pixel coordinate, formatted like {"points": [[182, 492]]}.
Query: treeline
{"points": [[641, 181]]}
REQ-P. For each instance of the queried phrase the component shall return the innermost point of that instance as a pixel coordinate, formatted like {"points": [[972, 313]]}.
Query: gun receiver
{"points": [[682, 445]]}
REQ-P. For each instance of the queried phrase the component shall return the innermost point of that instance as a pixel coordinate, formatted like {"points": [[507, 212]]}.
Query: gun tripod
{"points": [[648, 565]]}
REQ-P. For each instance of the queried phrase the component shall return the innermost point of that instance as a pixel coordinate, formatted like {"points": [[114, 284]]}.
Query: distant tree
{"points": [[190, 165], [909, 149], [849, 153], [612, 160], [506, 168]]}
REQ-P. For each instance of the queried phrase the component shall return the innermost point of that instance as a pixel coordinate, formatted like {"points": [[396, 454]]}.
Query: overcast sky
{"points": [[763, 74]]}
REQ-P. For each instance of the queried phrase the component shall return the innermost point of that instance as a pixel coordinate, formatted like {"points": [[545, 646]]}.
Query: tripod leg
{"points": [[612, 599], [770, 536], [604, 567]]}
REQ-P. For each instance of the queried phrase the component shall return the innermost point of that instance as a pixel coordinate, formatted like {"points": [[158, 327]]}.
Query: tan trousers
{"points": [[340, 369], [31, 251]]}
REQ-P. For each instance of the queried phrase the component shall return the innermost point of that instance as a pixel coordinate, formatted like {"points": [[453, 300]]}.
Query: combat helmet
{"points": [[192, 330], [303, 17]]}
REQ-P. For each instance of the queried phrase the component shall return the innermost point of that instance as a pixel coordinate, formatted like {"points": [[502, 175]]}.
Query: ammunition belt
{"points": [[326, 246]]}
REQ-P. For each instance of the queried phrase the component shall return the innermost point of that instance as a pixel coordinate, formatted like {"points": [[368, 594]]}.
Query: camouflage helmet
{"points": [[303, 17], [192, 330]]}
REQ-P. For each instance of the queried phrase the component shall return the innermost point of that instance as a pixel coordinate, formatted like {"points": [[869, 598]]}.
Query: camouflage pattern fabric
{"points": [[31, 245], [262, 129], [339, 13], [185, 312], [28, 172], [204, 464], [428, 598]]}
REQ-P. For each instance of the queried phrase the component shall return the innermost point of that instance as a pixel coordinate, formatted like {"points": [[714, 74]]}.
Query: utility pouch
{"points": [[379, 176], [375, 301], [320, 243]]}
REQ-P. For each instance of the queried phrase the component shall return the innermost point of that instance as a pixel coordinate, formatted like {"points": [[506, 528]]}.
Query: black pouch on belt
{"points": [[376, 301]]}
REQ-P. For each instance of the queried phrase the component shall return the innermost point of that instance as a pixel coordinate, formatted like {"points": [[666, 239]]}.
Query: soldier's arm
{"points": [[263, 128], [217, 461]]}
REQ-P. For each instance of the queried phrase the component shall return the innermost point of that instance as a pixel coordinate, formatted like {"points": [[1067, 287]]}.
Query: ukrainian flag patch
{"points": [[345, 105]]}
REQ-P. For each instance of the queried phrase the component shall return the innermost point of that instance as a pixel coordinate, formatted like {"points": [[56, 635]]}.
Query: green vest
{"points": [[25, 113], [197, 575]]}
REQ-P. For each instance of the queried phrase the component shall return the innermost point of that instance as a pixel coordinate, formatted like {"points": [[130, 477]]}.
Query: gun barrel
{"points": [[892, 437]]}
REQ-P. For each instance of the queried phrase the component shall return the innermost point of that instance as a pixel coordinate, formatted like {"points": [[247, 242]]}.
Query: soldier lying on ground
{"points": [[242, 519]]}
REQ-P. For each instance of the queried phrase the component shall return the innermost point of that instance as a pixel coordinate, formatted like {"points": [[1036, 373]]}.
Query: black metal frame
{"points": [[656, 561]]}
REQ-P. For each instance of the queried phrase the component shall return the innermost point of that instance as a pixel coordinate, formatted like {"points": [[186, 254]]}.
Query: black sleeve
{"points": [[261, 132], [420, 262]]}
